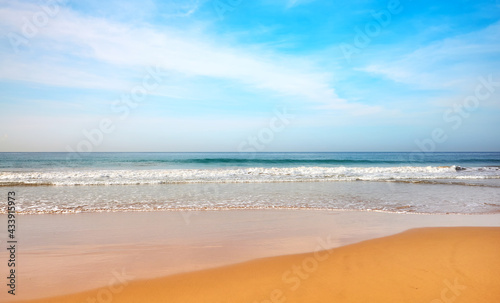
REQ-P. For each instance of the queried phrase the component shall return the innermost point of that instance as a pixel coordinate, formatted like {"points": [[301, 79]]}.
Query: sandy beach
{"points": [[420, 265], [258, 256]]}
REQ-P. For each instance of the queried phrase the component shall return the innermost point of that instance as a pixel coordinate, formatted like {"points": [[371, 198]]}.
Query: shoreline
{"points": [[183, 210], [360, 195], [226, 209], [63, 254]]}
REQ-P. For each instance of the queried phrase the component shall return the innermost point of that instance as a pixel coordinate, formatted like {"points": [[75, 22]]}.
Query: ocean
{"points": [[464, 183]]}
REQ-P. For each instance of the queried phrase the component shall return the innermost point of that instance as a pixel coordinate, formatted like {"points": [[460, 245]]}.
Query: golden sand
{"points": [[448, 264]]}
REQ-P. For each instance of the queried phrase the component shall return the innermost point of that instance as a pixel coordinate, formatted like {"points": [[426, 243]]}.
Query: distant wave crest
{"points": [[245, 175]]}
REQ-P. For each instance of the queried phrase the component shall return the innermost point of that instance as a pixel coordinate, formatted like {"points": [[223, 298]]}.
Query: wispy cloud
{"points": [[182, 8], [131, 46], [449, 63]]}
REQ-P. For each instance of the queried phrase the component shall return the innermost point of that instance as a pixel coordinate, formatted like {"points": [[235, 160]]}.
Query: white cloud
{"points": [[51, 72], [446, 64], [180, 8], [120, 45]]}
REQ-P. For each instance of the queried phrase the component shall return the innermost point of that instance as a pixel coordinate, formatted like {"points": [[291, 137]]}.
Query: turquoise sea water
{"points": [[399, 182], [217, 160]]}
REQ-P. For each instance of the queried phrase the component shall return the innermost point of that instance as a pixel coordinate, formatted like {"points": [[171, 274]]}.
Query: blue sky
{"points": [[241, 75]]}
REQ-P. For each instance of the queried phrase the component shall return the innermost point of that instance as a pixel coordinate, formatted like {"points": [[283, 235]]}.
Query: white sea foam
{"points": [[246, 175], [405, 197]]}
